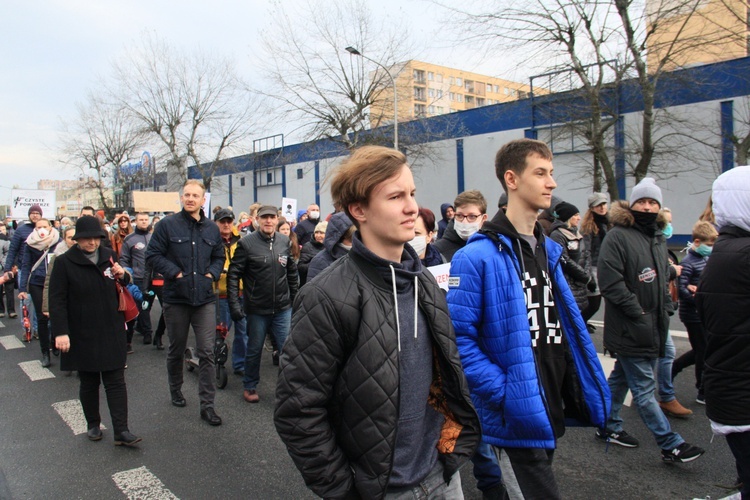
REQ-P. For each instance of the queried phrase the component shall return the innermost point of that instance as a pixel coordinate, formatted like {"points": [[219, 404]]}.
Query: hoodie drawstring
{"points": [[395, 302]]}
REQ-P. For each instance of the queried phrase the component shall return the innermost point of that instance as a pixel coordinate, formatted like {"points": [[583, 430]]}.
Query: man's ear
{"points": [[511, 180], [356, 210]]}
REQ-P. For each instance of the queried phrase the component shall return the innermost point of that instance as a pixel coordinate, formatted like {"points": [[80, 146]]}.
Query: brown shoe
{"points": [[675, 409], [251, 396]]}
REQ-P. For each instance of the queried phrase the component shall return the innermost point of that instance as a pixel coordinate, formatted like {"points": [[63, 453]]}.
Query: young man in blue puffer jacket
{"points": [[524, 346]]}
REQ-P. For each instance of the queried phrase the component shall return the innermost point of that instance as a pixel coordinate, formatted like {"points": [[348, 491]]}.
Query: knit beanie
{"points": [[647, 188], [36, 208], [564, 211]]}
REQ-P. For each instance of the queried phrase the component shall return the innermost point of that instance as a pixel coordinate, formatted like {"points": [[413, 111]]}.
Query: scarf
{"points": [[42, 244], [645, 222]]}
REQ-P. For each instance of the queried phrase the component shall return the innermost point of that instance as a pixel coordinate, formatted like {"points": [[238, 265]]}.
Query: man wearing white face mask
{"points": [[471, 213], [306, 228]]}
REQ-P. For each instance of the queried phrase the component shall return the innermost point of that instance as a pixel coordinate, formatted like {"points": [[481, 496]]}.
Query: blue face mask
{"points": [[667, 231], [704, 250]]}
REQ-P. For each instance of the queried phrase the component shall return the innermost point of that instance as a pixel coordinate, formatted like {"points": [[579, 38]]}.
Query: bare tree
{"points": [[319, 84], [601, 44], [97, 142], [194, 103]]}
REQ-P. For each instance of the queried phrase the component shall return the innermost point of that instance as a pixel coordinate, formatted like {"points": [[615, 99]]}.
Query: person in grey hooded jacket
{"points": [[337, 243]]}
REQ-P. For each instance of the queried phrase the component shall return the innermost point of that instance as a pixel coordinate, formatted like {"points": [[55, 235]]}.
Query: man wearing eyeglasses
{"points": [[471, 213]]}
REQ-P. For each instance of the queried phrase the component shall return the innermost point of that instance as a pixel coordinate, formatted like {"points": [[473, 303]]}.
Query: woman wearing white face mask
{"points": [[40, 245], [424, 229]]}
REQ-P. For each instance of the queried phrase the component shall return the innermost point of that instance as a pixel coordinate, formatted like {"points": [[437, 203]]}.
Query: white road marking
{"points": [[140, 484], [11, 342], [608, 364], [35, 371], [72, 414], [674, 333], [2, 325]]}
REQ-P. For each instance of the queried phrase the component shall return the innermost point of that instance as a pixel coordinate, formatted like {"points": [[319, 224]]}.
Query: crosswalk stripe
{"points": [[72, 414], [674, 333], [141, 483], [11, 342], [35, 371], [2, 325]]}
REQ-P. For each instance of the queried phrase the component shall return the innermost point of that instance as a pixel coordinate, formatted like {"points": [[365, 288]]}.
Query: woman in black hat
{"points": [[88, 328]]}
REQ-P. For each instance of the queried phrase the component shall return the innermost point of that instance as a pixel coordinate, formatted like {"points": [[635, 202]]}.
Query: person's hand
{"points": [[692, 288], [178, 276], [62, 342], [22, 296], [46, 314], [591, 285], [677, 268], [210, 276], [117, 271]]}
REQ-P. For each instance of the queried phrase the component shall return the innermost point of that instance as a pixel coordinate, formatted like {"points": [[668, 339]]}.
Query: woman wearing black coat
{"points": [[310, 250], [575, 260], [88, 328]]}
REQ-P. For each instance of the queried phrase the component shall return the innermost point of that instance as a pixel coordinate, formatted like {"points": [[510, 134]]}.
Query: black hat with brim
{"points": [[88, 227]]}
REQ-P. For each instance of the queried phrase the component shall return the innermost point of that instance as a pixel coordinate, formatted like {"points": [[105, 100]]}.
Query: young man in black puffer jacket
{"points": [[371, 398]]}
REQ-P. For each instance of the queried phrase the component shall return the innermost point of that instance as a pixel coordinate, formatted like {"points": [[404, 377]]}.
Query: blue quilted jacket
{"points": [[488, 309]]}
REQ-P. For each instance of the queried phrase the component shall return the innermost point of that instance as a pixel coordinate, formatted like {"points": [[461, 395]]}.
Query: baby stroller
{"points": [[221, 353]]}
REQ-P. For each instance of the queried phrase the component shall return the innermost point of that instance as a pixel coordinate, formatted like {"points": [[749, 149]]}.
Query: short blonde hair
{"points": [[471, 197], [194, 182], [704, 231]]}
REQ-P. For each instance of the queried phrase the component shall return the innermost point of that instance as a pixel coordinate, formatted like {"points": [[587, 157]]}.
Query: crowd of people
{"points": [[387, 384]]}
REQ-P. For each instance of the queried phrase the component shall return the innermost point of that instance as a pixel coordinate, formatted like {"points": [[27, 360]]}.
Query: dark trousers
{"points": [[162, 325], [143, 323], [10, 298], [36, 292], [180, 318], [117, 398], [595, 301], [739, 443], [527, 473], [696, 356]]}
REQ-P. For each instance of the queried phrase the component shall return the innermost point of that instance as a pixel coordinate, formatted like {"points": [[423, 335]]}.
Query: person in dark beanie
{"points": [[88, 328], [18, 244], [576, 260]]}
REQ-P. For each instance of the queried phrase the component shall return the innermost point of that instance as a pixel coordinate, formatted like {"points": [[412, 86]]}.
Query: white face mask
{"points": [[314, 215], [42, 232], [419, 244], [466, 229]]}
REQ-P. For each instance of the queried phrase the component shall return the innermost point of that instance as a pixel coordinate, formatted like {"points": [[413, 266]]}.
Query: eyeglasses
{"points": [[470, 217]]}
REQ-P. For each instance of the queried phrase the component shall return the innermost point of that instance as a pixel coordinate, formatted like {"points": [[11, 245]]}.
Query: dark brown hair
{"points": [[428, 217], [512, 156]]}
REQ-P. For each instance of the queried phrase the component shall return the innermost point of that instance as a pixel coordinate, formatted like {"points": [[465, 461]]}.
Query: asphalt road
{"points": [[183, 457]]}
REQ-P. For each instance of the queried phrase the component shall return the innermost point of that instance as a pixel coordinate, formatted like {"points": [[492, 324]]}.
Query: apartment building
{"points": [[426, 90]]}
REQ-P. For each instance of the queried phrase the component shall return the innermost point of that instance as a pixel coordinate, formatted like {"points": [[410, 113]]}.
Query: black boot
{"points": [[157, 343], [45, 359], [146, 338]]}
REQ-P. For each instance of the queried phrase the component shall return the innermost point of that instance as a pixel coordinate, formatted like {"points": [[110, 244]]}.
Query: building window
{"points": [[522, 94], [439, 78], [459, 98], [439, 94], [480, 101], [489, 87], [430, 92], [299, 173], [497, 89], [452, 96], [469, 86], [419, 110], [431, 109], [452, 81], [419, 94], [469, 100], [440, 110], [242, 181], [430, 76], [269, 177], [418, 76], [459, 82]]}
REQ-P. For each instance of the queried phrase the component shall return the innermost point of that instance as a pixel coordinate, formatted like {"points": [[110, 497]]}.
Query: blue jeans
{"points": [[258, 325], [240, 334], [664, 372], [637, 374], [486, 469], [432, 487]]}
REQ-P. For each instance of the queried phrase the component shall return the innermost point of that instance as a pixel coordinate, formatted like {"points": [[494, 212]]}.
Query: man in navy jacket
{"points": [[186, 249]]}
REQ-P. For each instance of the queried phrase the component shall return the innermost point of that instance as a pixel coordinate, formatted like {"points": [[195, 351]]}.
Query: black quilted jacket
{"points": [[338, 391]]}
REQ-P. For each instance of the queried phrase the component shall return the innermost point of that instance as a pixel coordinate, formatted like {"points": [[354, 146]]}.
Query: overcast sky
{"points": [[53, 51]]}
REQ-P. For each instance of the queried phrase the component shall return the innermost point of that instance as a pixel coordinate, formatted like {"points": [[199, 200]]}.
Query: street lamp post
{"points": [[355, 52]]}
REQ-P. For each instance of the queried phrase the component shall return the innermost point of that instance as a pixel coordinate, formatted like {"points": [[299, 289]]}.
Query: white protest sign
{"points": [[441, 273], [23, 199], [289, 209]]}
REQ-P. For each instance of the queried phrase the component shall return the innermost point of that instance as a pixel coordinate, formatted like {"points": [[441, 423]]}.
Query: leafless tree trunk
{"points": [[603, 44], [98, 141], [195, 104]]}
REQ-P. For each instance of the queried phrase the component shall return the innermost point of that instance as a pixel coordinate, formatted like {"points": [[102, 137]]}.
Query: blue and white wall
{"points": [[693, 122]]}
